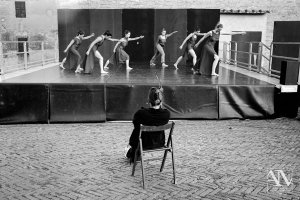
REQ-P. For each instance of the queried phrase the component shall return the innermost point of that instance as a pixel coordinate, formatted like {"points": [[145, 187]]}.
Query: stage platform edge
{"points": [[244, 102], [183, 101], [72, 103], [24, 103], [77, 103]]}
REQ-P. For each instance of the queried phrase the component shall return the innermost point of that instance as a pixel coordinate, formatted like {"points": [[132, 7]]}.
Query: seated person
{"points": [[153, 116]]}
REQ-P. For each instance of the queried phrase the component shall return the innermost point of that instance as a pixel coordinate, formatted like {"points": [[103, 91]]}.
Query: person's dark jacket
{"points": [[149, 117]]}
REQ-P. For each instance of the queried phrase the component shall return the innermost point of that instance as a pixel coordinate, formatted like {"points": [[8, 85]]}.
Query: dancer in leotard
{"points": [[159, 48], [73, 58], [120, 56], [189, 49], [88, 63]]}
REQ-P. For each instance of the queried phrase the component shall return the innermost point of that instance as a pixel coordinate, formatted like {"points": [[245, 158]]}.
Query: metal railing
{"points": [[259, 58], [276, 73], [19, 55]]}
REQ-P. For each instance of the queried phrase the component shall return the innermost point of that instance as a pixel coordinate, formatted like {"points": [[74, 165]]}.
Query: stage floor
{"points": [[140, 74]]}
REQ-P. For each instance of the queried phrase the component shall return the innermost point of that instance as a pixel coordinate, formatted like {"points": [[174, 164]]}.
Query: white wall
{"points": [[243, 23]]}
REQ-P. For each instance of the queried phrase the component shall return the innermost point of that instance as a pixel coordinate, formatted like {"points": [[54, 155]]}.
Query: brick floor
{"points": [[225, 159]]}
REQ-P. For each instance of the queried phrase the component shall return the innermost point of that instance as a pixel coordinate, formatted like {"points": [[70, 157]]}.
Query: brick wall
{"points": [[287, 10], [7, 16], [41, 17], [231, 4]]}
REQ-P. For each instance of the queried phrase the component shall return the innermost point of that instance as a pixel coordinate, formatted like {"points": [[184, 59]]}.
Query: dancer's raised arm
{"points": [[98, 39], [203, 38], [199, 34], [88, 37], [235, 33], [69, 45], [170, 34], [186, 39], [136, 38], [113, 40], [117, 45]]}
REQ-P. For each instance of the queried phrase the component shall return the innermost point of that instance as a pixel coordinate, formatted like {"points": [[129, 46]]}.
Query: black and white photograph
{"points": [[154, 100]]}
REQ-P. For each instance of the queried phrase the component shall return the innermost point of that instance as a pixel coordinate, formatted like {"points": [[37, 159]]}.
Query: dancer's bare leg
{"points": [[214, 65], [61, 65], [177, 62], [107, 63], [193, 54], [127, 64], [98, 55], [163, 55], [153, 59], [78, 69]]}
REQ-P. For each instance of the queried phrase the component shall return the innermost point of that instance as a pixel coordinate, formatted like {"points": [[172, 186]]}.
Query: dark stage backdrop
{"points": [[171, 20], [102, 20], [139, 22], [69, 22], [285, 31], [147, 22]]}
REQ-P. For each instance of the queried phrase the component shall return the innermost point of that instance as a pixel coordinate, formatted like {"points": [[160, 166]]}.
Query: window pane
{"points": [[20, 9]]}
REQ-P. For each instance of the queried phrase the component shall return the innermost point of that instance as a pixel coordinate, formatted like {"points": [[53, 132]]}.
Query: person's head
{"points": [[80, 34], [163, 31], [107, 34], [155, 96], [219, 27], [127, 33], [197, 30]]}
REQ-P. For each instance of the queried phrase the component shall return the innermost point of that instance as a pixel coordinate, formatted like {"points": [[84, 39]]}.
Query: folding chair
{"points": [[167, 148]]}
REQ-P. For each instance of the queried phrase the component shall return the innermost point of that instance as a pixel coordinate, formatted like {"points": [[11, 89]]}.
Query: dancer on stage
{"points": [[189, 49], [160, 47], [120, 56], [73, 58], [88, 64], [209, 58]]}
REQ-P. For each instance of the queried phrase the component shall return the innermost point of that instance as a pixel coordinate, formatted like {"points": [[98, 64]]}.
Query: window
{"points": [[20, 9]]}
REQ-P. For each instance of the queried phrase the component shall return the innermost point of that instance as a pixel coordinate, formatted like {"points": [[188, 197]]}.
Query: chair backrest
{"points": [[169, 125]]}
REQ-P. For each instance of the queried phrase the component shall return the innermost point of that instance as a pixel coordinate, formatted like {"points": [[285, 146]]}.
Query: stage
{"points": [[54, 95], [140, 74]]}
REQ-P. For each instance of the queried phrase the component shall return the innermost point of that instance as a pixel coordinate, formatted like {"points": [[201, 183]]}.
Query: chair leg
{"points": [[163, 161], [165, 154], [173, 162], [142, 165], [134, 160]]}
